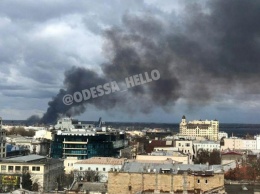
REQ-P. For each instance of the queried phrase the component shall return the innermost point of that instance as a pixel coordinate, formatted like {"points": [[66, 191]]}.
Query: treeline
{"points": [[246, 171], [204, 156], [20, 131]]}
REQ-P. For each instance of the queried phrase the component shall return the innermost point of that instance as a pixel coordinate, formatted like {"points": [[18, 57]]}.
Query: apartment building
{"points": [[44, 171], [235, 143], [199, 128], [2, 140]]}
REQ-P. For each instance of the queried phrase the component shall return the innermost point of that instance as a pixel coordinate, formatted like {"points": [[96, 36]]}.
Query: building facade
{"points": [[101, 165], [86, 141], [165, 178], [44, 171], [198, 128], [2, 141], [206, 145], [235, 143]]}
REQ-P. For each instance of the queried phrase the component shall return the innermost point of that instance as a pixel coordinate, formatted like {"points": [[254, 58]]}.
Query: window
{"points": [[3, 167], [68, 164], [80, 168], [96, 169], [104, 169], [89, 168], [25, 168], [10, 168], [35, 168], [18, 168], [198, 181], [206, 181]]}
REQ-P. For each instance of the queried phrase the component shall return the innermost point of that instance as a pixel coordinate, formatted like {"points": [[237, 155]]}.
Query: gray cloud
{"points": [[205, 51]]}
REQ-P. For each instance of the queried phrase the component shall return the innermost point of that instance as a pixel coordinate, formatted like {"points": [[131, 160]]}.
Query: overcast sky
{"points": [[215, 62]]}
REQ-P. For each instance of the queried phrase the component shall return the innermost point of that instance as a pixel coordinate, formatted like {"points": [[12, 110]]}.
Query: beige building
{"points": [[235, 143], [150, 178], [43, 171], [198, 128], [69, 164]]}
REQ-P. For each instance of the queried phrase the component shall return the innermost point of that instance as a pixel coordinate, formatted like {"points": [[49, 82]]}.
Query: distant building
{"points": [[44, 171], [139, 177], [69, 164], [157, 143], [235, 143], [36, 146], [2, 141], [16, 150], [84, 141], [198, 128], [222, 134], [231, 156], [175, 157], [206, 145]]}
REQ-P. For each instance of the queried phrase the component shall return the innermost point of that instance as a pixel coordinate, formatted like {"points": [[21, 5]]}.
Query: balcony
{"points": [[74, 142]]}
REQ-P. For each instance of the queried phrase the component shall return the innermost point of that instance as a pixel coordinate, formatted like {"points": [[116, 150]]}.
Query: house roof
{"points": [[231, 153]]}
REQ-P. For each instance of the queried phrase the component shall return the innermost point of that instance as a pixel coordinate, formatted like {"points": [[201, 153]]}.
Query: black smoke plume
{"points": [[210, 50]]}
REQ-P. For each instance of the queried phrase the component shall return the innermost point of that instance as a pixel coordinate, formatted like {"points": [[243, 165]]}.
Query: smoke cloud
{"points": [[210, 50]]}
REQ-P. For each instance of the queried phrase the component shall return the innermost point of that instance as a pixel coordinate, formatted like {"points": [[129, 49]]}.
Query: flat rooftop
{"points": [[27, 158], [103, 160]]}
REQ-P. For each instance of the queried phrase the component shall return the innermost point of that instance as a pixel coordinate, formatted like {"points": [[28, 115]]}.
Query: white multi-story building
{"points": [[257, 142], [222, 134], [206, 145], [102, 165], [198, 128], [184, 146], [2, 141]]}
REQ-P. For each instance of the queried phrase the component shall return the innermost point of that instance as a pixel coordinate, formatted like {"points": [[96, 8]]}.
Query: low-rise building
{"points": [[185, 146], [176, 157], [36, 146], [137, 177], [44, 171], [101, 165], [222, 134], [206, 145], [235, 143], [69, 164], [231, 156]]}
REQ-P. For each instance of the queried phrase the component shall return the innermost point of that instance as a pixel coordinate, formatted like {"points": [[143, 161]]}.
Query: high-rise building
{"points": [[199, 128], [2, 141]]}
